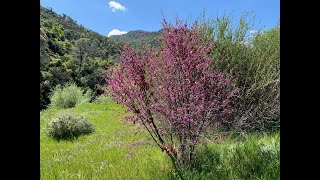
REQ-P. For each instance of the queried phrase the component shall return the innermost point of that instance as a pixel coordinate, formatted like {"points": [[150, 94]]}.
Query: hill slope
{"points": [[70, 52], [137, 38]]}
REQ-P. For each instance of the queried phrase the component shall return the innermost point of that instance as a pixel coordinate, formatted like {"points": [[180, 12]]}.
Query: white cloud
{"points": [[116, 32], [253, 32], [116, 6]]}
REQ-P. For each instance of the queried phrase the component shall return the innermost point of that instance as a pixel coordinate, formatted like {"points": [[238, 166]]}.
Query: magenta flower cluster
{"points": [[173, 91]]}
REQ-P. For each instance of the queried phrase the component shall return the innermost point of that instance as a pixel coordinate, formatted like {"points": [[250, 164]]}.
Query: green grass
{"points": [[110, 153], [253, 157]]}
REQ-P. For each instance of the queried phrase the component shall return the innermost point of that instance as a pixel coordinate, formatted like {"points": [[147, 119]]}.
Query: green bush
{"points": [[252, 57], [68, 126], [68, 96], [102, 99]]}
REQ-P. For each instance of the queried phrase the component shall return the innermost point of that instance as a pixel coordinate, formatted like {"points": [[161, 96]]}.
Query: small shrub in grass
{"points": [[102, 99], [68, 126], [68, 96]]}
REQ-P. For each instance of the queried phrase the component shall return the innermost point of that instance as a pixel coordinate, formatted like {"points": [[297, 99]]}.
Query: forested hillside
{"points": [[70, 52], [137, 38]]}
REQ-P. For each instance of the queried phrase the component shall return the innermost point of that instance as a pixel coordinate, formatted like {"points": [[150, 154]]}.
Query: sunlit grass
{"points": [[104, 154], [110, 153]]}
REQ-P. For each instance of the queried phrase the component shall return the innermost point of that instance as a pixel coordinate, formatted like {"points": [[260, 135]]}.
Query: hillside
{"points": [[73, 32], [137, 38], [71, 52]]}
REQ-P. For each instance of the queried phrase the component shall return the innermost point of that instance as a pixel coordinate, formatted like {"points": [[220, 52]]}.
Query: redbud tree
{"points": [[173, 91]]}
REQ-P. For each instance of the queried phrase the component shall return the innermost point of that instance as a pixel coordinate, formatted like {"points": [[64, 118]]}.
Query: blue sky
{"points": [[104, 16]]}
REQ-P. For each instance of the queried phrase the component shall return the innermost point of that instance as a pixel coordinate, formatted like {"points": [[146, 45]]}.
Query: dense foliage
{"points": [[137, 39], [70, 52], [103, 99], [68, 126], [69, 96], [253, 60], [172, 91]]}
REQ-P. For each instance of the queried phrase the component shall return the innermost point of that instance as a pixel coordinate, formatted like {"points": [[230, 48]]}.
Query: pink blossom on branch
{"points": [[173, 92]]}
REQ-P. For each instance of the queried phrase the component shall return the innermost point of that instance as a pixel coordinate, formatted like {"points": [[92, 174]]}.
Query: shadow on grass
{"points": [[70, 136]]}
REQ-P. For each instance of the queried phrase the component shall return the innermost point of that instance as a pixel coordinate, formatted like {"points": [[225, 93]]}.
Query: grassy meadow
{"points": [[116, 151]]}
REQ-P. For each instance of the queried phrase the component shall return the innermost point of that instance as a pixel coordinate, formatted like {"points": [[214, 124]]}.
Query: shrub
{"points": [[172, 91], [68, 126], [103, 98], [253, 60], [68, 96]]}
